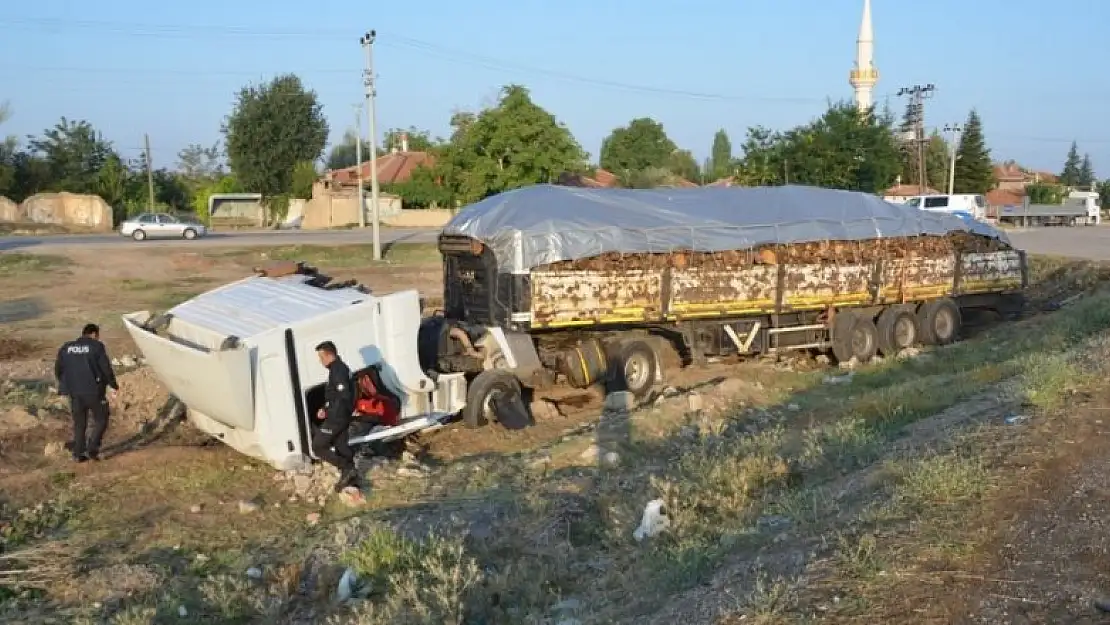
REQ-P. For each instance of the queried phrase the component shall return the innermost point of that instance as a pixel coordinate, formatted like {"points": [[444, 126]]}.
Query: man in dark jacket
{"points": [[85, 374], [329, 443]]}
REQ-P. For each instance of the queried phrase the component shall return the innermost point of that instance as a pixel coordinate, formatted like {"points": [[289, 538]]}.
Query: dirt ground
{"points": [[796, 492]]}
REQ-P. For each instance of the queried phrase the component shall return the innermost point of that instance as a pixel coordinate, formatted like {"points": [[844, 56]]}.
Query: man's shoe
{"points": [[80, 458], [348, 478], [94, 456]]}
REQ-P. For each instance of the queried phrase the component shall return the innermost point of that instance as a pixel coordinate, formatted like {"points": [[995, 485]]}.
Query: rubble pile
{"points": [[141, 400], [814, 252], [315, 484]]}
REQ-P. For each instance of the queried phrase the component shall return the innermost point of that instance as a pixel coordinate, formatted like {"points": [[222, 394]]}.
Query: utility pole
{"points": [[918, 94], [367, 42], [358, 159], [149, 174], [955, 130]]}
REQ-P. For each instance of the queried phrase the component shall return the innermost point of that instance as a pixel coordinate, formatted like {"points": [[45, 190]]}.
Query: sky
{"points": [[170, 70]]}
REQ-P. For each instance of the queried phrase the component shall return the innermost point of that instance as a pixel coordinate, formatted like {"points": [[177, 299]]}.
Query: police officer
{"points": [[85, 374], [336, 417]]}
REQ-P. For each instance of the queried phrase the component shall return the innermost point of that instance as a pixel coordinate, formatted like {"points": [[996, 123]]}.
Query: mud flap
{"points": [[510, 410]]}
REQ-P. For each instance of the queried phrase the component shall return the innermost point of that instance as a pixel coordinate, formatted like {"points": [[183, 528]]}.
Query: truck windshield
{"points": [[915, 202]]}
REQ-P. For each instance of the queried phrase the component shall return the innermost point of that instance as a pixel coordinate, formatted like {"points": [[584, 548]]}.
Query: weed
{"points": [[20, 263]]}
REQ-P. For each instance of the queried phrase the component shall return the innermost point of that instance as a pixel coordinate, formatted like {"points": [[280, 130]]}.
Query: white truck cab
{"points": [[967, 205]]}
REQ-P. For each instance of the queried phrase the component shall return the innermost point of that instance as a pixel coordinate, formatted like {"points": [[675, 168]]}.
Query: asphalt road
{"points": [[1088, 242], [223, 239], [1079, 242]]}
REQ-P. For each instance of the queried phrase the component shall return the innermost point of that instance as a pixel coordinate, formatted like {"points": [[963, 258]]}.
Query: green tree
{"points": [[201, 164], [273, 127], [304, 176], [720, 163], [683, 164], [1104, 194], [344, 154], [511, 145], [225, 184], [1041, 193], [418, 140], [842, 149], [8, 147], [640, 145], [74, 153], [1086, 178], [1069, 177], [974, 170]]}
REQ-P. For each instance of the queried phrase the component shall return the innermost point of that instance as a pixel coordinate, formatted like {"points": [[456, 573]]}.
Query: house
{"points": [[1013, 177], [602, 179], [899, 193]]}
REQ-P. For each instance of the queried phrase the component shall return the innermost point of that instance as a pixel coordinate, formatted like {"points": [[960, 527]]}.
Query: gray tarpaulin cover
{"points": [[546, 223]]}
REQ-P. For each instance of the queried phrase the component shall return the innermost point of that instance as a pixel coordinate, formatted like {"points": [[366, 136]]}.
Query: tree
{"points": [[74, 153], [720, 163], [842, 149], [304, 176], [273, 127], [1041, 193], [511, 145], [640, 145], [225, 184], [683, 164], [1086, 178], [1104, 193], [418, 140], [974, 170], [344, 154], [196, 162], [1069, 177], [7, 155]]}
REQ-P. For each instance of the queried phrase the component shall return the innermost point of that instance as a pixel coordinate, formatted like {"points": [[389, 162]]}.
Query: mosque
{"points": [[864, 76]]}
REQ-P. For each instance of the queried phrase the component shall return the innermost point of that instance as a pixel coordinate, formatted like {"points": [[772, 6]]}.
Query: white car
{"points": [[161, 226]]}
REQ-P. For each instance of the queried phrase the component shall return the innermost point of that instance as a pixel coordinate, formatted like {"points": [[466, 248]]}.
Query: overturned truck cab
{"points": [[242, 359]]}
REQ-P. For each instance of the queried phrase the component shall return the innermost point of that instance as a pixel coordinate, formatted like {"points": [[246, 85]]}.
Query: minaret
{"points": [[864, 76]]}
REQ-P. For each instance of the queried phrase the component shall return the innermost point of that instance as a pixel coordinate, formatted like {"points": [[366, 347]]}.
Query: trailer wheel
{"points": [[939, 321], [488, 391], [638, 364], [897, 330], [841, 331]]}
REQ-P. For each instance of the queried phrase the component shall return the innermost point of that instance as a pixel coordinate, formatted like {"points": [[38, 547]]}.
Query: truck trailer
{"points": [[1080, 208], [551, 285]]}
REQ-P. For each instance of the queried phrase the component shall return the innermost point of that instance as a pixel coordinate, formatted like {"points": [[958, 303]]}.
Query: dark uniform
{"points": [[339, 398], [84, 373]]}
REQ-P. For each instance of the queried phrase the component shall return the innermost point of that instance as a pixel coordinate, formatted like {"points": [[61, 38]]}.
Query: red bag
{"points": [[381, 406]]}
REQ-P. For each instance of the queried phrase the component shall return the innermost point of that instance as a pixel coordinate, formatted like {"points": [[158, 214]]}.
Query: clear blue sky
{"points": [[1035, 72]]}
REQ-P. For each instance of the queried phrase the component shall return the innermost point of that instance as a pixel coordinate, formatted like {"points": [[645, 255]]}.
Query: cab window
{"points": [[980, 201], [914, 202], [936, 202]]}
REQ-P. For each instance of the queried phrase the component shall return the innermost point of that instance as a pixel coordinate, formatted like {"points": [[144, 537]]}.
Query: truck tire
{"points": [[939, 322], [897, 330], [492, 385], [638, 364], [854, 336]]}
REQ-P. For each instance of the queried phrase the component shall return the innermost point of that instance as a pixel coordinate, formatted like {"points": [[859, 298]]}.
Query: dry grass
{"points": [[875, 476]]}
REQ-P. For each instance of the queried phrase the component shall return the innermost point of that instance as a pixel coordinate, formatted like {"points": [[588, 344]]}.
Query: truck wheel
{"points": [[841, 331], [488, 391], [638, 363], [897, 330], [939, 321]]}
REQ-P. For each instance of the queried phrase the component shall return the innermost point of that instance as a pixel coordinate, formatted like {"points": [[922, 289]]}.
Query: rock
{"points": [[302, 484], [254, 572], [55, 449], [352, 497], [128, 361], [409, 472], [17, 419], [849, 364], [909, 352], [610, 459], [248, 507], [694, 403], [590, 454], [621, 401], [567, 605], [544, 409], [312, 518], [839, 379], [195, 508]]}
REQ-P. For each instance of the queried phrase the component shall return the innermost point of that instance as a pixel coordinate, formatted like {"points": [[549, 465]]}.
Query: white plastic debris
{"points": [[654, 521], [254, 572], [182, 611], [347, 584]]}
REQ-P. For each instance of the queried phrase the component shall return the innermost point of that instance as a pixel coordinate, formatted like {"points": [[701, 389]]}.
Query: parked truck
{"points": [[551, 285], [1080, 208]]}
